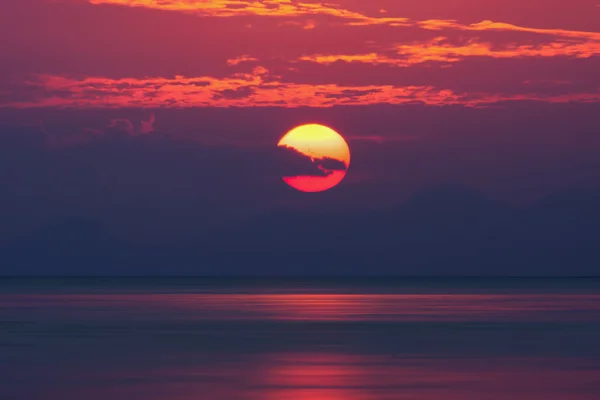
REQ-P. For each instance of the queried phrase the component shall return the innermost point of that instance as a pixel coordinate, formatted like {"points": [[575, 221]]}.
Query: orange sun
{"points": [[320, 144]]}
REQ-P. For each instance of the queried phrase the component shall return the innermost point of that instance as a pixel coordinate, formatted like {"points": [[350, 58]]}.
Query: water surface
{"points": [[225, 339]]}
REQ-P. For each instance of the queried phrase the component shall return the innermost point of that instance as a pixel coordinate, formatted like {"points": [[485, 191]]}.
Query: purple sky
{"points": [[157, 116]]}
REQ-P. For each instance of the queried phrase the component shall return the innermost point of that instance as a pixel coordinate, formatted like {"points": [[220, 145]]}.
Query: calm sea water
{"points": [[255, 339]]}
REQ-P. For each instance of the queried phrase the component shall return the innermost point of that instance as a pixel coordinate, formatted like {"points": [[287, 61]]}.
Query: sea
{"points": [[299, 339]]}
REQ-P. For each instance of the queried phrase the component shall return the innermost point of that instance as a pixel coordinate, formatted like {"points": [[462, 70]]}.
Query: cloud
{"points": [[351, 93], [122, 124], [126, 125], [143, 184], [61, 137], [263, 8], [240, 59], [331, 164], [250, 90], [439, 50], [487, 25], [379, 139], [291, 162], [350, 57], [342, 11], [206, 166], [147, 126], [238, 93]]}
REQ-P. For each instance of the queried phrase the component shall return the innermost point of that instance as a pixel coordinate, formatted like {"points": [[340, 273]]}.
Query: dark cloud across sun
{"points": [[294, 163]]}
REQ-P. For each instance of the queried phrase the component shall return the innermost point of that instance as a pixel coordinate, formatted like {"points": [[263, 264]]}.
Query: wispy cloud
{"points": [[250, 90], [440, 51], [270, 8], [290, 8], [487, 25], [240, 59], [296, 54]]}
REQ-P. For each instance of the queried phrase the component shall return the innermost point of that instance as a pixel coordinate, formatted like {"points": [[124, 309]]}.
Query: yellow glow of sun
{"points": [[317, 142]]}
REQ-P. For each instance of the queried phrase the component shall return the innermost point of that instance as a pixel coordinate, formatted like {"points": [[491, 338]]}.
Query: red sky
{"points": [[284, 53]]}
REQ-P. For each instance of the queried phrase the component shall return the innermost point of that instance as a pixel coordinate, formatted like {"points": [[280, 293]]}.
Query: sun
{"points": [[326, 149]]}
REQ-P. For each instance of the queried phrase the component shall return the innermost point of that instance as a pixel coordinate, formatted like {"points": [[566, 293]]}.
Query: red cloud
{"points": [[249, 90]]}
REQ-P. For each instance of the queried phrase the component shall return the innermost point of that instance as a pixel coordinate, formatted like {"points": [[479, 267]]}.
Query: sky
{"points": [[220, 53], [160, 118]]}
